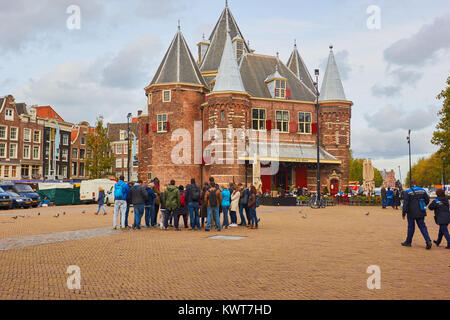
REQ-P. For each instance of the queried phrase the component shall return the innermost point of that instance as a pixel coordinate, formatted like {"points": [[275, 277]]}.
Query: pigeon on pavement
{"points": [[15, 217], [305, 216], [368, 213], [57, 215], [39, 213], [83, 212]]}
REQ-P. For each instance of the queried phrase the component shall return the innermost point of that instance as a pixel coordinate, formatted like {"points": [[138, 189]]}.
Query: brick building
{"points": [[56, 165], [232, 87], [20, 141], [118, 133], [388, 178], [79, 151]]}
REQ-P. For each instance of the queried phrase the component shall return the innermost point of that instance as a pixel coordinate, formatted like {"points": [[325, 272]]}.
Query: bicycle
{"points": [[314, 205]]}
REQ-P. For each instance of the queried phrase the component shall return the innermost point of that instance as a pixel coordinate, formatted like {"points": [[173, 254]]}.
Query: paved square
{"points": [[324, 256]]}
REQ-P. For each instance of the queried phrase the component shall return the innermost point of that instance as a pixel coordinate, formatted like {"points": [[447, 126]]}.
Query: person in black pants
{"points": [[181, 211], [442, 216]]}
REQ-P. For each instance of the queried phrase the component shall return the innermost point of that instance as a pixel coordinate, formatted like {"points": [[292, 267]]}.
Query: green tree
{"points": [[100, 160], [377, 178], [441, 136], [428, 171], [356, 171]]}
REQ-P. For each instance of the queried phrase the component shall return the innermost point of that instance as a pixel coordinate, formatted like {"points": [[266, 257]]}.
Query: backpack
{"points": [[195, 193], [422, 204], [183, 200], [258, 201], [244, 198], [213, 198], [118, 191]]}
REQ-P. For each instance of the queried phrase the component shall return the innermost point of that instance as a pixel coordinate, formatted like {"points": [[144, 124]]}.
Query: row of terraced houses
{"points": [[27, 142]]}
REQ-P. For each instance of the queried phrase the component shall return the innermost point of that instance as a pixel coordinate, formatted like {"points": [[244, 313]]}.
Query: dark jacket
{"points": [[441, 210], [138, 195], [411, 206], [151, 196], [101, 197], [252, 200], [397, 198], [188, 193], [383, 192]]}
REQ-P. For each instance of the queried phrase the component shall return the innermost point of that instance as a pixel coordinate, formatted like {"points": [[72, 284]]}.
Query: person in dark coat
{"points": [[414, 206], [204, 205], [101, 201], [441, 216], [138, 197], [383, 197], [150, 218], [182, 210], [396, 196]]}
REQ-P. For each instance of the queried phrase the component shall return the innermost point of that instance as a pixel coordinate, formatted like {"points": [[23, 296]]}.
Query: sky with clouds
{"points": [[392, 74]]}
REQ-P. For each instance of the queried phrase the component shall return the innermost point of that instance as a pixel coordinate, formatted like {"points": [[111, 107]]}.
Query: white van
{"points": [[89, 190]]}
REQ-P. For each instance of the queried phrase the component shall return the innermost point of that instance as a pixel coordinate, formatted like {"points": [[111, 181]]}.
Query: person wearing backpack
{"points": [[182, 210], [415, 204], [226, 202], [441, 216], [138, 197], [121, 191], [172, 199], [193, 195], [150, 220], [213, 199]]}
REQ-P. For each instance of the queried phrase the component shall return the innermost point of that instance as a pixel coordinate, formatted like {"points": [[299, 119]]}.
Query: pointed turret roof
{"points": [[332, 88], [298, 67], [229, 76], [213, 55], [178, 65]]}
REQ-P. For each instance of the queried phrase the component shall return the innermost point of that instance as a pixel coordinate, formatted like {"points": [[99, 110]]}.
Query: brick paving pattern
{"points": [[322, 257]]}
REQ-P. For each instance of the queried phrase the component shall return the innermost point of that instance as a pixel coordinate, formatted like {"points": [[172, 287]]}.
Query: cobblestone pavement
{"points": [[324, 256]]}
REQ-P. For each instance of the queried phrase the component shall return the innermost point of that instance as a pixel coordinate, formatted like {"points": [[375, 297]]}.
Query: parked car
{"points": [[89, 190], [25, 191], [19, 201], [5, 200]]}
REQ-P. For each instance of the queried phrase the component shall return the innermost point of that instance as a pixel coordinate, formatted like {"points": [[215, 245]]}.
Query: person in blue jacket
{"points": [[150, 217], [442, 216], [389, 198], [121, 190], [101, 201], [415, 202]]}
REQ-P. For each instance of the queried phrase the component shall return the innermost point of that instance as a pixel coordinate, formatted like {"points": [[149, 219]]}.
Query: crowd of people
{"points": [[206, 207]]}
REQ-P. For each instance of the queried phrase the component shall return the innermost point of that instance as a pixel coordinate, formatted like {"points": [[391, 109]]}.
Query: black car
{"points": [[19, 201], [5, 199]]}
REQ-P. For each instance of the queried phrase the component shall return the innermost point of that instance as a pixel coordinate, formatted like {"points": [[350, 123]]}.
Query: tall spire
{"points": [[332, 88], [229, 76], [298, 67], [178, 65]]}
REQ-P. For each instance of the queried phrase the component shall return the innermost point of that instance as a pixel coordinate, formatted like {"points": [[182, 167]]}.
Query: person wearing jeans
{"points": [[193, 195], [252, 208], [121, 191], [101, 201], [213, 199], [213, 211], [150, 206], [138, 197], [226, 202]]}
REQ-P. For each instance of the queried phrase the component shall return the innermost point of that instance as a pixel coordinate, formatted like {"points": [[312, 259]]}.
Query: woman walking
{"points": [[101, 201], [442, 216], [234, 207]]}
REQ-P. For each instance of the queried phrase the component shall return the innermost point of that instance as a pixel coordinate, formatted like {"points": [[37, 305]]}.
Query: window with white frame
{"points": [[13, 133], [258, 119], [149, 98], [26, 152], [82, 153], [36, 153], [119, 163], [118, 149], [125, 149], [2, 150], [13, 171], [125, 163], [162, 122], [74, 153], [27, 135], [65, 155], [35, 170], [167, 96], [9, 114], [3, 132], [81, 173], [65, 139], [37, 136], [74, 169], [304, 122], [13, 150], [6, 171], [64, 171], [83, 141], [123, 135], [282, 117]]}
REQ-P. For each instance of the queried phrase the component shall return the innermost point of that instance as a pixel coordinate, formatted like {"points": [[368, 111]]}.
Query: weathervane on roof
{"points": [[226, 3], [331, 47], [179, 24], [295, 43]]}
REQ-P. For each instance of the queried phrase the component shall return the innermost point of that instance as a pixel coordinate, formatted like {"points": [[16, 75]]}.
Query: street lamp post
{"points": [[444, 181], [410, 167], [316, 84], [400, 174], [128, 138]]}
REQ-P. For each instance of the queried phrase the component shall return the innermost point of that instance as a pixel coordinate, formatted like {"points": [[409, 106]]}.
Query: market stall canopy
{"points": [[287, 152]]}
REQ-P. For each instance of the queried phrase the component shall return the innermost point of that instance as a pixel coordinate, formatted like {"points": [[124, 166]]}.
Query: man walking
{"points": [[193, 194], [138, 197], [172, 200], [414, 206], [214, 199], [121, 191]]}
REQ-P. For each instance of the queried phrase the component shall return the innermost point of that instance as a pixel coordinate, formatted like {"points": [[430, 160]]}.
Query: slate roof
{"points": [[298, 66], [178, 65], [213, 55], [113, 130], [256, 68], [21, 108], [332, 88], [229, 76]]}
